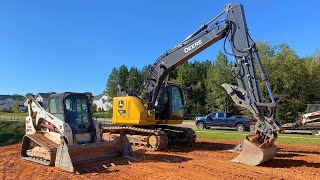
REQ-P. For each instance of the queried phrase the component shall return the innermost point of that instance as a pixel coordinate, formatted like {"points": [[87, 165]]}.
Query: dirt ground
{"points": [[209, 159]]}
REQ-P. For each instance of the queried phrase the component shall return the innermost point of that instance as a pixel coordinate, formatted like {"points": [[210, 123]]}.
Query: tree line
{"points": [[294, 80]]}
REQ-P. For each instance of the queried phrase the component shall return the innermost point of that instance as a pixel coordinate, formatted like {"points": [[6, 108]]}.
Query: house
{"points": [[43, 98], [25, 103], [7, 102], [102, 102]]}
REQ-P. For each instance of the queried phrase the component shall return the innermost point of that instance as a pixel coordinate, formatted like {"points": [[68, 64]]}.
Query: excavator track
{"points": [[140, 138], [180, 135], [31, 142], [154, 139]]}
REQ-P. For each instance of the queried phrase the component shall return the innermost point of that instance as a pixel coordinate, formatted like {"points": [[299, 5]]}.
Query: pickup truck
{"points": [[223, 119]]}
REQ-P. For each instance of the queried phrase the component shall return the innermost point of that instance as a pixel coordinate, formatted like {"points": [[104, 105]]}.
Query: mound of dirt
{"points": [[206, 160]]}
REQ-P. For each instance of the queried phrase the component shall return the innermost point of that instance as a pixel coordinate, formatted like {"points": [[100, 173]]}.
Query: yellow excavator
{"points": [[66, 135], [147, 120]]}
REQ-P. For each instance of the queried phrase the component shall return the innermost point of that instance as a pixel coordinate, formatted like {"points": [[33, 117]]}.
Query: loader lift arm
{"points": [[247, 94]]}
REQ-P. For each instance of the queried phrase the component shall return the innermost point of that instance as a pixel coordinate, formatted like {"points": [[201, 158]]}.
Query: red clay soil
{"points": [[208, 159]]}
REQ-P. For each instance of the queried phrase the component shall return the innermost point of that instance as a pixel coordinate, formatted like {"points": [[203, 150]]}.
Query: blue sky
{"points": [[65, 45]]}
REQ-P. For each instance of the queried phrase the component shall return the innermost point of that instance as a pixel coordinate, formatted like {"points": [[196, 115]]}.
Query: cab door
{"points": [[176, 102], [170, 103]]}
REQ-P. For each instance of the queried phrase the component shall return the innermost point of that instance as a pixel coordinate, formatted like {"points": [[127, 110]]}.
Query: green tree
{"points": [[294, 81], [123, 76], [112, 83], [219, 72], [94, 108], [288, 76], [145, 72], [192, 75], [134, 79], [15, 107]]}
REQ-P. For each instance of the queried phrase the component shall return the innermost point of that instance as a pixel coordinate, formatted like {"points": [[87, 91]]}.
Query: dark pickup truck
{"points": [[223, 119]]}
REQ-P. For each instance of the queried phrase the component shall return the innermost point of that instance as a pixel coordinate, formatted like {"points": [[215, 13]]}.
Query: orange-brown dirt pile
{"points": [[208, 159]]}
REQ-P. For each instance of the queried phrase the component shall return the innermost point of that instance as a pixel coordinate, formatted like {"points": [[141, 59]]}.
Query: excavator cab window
{"points": [[177, 103], [169, 103]]}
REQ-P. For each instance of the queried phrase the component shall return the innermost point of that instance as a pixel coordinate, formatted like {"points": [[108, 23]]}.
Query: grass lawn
{"points": [[283, 138], [102, 115], [24, 114], [11, 132]]}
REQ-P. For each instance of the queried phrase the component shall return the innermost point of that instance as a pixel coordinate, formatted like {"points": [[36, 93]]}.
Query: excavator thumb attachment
{"points": [[68, 157], [253, 155], [256, 148]]}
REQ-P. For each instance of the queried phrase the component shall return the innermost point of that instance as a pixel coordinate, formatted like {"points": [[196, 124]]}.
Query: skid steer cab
{"points": [[66, 135], [74, 109]]}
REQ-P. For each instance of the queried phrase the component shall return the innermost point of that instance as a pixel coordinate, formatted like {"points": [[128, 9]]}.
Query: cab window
{"points": [[56, 109]]}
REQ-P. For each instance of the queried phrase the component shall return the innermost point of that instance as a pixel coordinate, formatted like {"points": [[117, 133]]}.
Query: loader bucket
{"points": [[253, 155], [68, 157]]}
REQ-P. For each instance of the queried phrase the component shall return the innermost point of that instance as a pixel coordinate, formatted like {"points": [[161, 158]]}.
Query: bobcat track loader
{"points": [[66, 135]]}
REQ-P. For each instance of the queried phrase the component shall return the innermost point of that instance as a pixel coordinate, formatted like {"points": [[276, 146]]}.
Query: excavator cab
{"points": [[170, 103]]}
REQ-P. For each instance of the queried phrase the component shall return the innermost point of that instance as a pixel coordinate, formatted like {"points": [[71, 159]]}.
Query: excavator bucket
{"points": [[253, 155], [68, 157]]}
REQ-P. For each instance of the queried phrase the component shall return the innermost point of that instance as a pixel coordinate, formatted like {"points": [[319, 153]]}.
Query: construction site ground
{"points": [[208, 159]]}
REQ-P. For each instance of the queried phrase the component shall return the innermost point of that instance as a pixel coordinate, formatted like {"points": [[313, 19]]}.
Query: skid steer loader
{"points": [[66, 135]]}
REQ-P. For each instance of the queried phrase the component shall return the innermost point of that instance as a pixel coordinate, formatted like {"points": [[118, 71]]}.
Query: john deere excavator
{"points": [[147, 120], [67, 136]]}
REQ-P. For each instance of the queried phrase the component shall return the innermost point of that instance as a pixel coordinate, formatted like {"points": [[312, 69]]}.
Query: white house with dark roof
{"points": [[7, 102], [43, 98], [25, 102], [102, 102]]}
